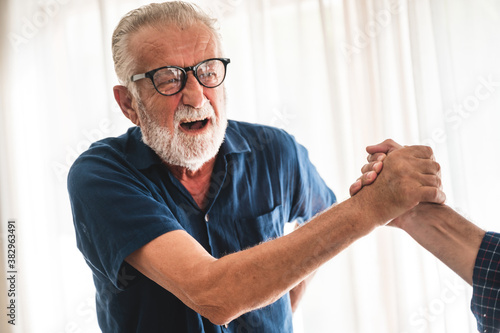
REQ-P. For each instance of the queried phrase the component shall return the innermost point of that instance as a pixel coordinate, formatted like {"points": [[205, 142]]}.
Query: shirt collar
{"points": [[142, 157], [234, 143]]}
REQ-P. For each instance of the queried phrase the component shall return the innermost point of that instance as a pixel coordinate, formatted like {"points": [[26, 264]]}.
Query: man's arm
{"points": [[297, 292], [223, 289], [446, 234], [438, 228]]}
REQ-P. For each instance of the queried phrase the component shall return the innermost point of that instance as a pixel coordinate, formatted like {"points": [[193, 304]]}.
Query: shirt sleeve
{"points": [[485, 302], [310, 194], [115, 211]]}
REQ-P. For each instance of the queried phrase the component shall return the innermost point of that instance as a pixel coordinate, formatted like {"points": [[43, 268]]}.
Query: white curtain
{"points": [[338, 75]]}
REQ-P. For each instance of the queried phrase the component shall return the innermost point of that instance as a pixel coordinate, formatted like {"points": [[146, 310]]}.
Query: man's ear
{"points": [[124, 99]]}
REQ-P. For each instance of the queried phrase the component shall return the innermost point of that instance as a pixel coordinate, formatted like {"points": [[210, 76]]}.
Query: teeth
{"points": [[191, 120]]}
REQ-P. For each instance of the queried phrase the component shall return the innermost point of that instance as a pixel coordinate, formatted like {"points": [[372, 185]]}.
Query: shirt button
{"points": [[206, 218]]}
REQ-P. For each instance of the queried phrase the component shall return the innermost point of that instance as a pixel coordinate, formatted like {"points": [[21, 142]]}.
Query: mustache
{"points": [[184, 112]]}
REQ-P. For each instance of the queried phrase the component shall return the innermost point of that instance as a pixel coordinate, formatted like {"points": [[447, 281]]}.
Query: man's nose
{"points": [[192, 94]]}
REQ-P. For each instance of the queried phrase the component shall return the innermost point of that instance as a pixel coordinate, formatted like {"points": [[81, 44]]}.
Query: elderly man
{"points": [[181, 218]]}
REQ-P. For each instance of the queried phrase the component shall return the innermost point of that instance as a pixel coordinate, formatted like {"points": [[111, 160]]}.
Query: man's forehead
{"points": [[154, 47]]}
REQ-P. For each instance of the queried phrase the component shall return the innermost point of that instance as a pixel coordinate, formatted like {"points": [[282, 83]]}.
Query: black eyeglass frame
{"points": [[151, 73]]}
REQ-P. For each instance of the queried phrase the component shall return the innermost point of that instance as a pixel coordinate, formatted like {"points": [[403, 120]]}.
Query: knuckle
{"points": [[438, 167], [425, 150], [438, 182], [428, 151], [373, 157], [435, 194], [432, 193], [366, 178], [433, 181]]}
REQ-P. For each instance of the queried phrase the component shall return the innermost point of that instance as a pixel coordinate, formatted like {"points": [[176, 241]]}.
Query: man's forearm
{"points": [[446, 234], [258, 276], [297, 292]]}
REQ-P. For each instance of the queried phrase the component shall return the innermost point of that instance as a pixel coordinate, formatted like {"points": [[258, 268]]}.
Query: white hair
{"points": [[178, 13]]}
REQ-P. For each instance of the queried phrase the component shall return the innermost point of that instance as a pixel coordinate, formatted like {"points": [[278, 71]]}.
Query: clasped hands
{"points": [[410, 176]]}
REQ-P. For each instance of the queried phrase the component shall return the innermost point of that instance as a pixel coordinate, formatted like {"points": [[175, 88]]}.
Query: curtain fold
{"points": [[337, 74]]}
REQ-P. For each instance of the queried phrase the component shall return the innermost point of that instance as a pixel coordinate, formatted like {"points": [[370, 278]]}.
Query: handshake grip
{"points": [[409, 175]]}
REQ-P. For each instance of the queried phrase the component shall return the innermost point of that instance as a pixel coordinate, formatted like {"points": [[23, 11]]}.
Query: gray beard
{"points": [[181, 149]]}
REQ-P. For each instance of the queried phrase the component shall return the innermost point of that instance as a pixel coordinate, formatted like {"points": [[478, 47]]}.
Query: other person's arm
{"points": [[446, 234]]}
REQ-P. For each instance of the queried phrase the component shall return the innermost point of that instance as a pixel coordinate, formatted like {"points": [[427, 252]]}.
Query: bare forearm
{"points": [[258, 276], [297, 292], [446, 234]]}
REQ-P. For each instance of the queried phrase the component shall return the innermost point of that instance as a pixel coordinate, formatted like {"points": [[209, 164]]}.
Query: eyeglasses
{"points": [[170, 80]]}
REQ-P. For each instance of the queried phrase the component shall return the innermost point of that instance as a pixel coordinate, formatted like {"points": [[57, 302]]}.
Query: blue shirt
{"points": [[486, 285], [123, 197]]}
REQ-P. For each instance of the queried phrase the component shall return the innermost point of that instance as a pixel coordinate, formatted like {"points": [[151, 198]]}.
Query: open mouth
{"points": [[194, 125]]}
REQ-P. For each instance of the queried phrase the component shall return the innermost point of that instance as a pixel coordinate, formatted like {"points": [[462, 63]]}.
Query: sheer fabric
{"points": [[338, 75]]}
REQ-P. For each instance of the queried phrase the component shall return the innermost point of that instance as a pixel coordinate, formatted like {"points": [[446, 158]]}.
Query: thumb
{"points": [[385, 147]]}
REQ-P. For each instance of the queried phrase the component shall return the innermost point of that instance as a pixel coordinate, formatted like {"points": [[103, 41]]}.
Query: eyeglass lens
{"points": [[171, 80]]}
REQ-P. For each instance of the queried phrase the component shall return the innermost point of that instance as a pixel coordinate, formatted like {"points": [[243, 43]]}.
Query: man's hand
{"points": [[439, 229], [369, 172], [376, 155], [410, 176]]}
